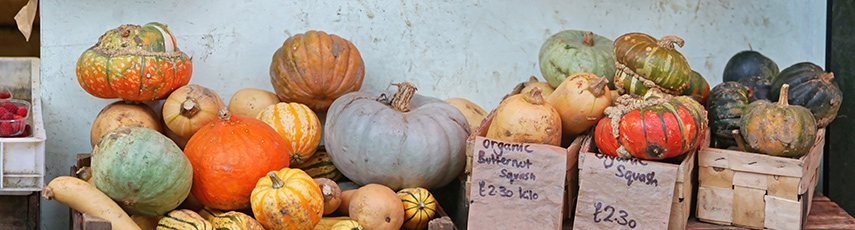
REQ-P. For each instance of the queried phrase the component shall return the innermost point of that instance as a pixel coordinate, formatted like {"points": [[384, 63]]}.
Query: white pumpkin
{"points": [[372, 142]]}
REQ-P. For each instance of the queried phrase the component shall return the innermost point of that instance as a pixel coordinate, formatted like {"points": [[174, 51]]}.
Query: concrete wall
{"points": [[472, 49]]}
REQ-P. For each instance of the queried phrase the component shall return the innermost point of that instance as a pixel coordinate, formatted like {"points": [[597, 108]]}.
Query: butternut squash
{"points": [[344, 207], [85, 198]]}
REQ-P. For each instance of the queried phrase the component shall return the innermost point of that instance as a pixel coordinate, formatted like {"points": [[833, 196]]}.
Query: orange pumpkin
{"points": [[287, 199], [298, 125], [315, 68], [189, 108], [229, 155], [135, 63]]}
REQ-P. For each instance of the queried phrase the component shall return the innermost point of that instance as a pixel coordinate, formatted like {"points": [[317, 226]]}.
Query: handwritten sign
{"points": [[617, 193], [516, 186]]}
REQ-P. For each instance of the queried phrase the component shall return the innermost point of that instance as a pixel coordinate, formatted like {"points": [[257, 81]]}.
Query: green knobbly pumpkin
{"points": [[572, 51], [142, 170]]}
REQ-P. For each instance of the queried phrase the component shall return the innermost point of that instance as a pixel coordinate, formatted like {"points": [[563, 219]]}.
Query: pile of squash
{"points": [[174, 155]]}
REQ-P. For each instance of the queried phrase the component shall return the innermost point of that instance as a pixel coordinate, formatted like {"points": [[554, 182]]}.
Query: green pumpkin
{"points": [[813, 88], [642, 62], [749, 63], [725, 106], [760, 85], [320, 166], [142, 170], [573, 51], [778, 129]]}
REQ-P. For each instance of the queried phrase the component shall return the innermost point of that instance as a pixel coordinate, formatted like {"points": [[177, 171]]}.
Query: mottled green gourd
{"points": [[778, 129], [726, 104], [572, 51], [813, 88], [642, 63], [142, 170]]}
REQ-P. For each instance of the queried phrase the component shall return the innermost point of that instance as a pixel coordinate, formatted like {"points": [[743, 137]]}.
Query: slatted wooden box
{"points": [[756, 190], [681, 199]]}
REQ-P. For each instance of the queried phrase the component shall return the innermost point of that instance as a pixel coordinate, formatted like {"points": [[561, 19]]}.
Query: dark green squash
{"points": [[698, 88], [142, 170], [725, 106], [749, 63], [642, 62], [813, 88], [778, 129], [760, 85]]}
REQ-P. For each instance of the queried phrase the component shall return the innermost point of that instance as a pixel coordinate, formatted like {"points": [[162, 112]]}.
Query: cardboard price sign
{"points": [[619, 193], [516, 186]]}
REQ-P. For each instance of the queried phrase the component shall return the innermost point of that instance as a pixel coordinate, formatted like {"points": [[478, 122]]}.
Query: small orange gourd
{"points": [[377, 207], [287, 199], [331, 193], [189, 108], [298, 125], [580, 100]]}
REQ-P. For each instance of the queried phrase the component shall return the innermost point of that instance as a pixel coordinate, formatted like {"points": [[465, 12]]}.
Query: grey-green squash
{"points": [[573, 51], [142, 170]]}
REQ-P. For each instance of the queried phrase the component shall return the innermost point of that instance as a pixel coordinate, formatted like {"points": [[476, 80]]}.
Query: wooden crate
{"points": [[680, 196], [757, 190], [571, 179]]}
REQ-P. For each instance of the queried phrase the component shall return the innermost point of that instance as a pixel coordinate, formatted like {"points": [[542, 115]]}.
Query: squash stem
{"points": [[421, 204], [534, 96], [589, 38], [668, 42], [224, 114], [598, 88], [277, 183], [783, 98], [189, 108], [827, 77], [739, 142], [401, 99]]}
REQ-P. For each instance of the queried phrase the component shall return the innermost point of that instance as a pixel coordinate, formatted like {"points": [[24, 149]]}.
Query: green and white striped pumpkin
{"points": [[320, 166], [183, 219]]}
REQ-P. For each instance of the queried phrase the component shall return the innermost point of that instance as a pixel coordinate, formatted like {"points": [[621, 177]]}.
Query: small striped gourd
{"points": [[235, 221], [320, 166], [183, 219], [298, 125], [346, 225], [419, 207]]}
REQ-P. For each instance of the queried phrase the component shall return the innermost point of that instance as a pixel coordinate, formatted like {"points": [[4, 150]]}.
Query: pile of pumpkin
{"points": [[759, 109], [257, 163]]}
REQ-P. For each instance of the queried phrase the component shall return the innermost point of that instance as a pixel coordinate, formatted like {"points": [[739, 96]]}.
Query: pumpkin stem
{"points": [[739, 142], [421, 204], [783, 98], [589, 38], [224, 114], [277, 183], [668, 42], [827, 77], [401, 99], [599, 87], [189, 108], [531, 80], [534, 96]]}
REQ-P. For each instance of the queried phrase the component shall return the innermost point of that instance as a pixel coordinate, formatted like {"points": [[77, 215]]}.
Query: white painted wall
{"points": [[472, 49]]}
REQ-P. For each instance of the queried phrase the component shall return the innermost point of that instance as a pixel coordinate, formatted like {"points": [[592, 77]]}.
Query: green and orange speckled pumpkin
{"points": [[287, 199], [642, 63], [135, 63], [778, 129], [315, 68], [655, 128]]}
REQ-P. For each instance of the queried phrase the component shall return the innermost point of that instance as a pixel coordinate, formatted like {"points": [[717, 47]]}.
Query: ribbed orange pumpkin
{"points": [[298, 125], [315, 68], [287, 199], [229, 155]]}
